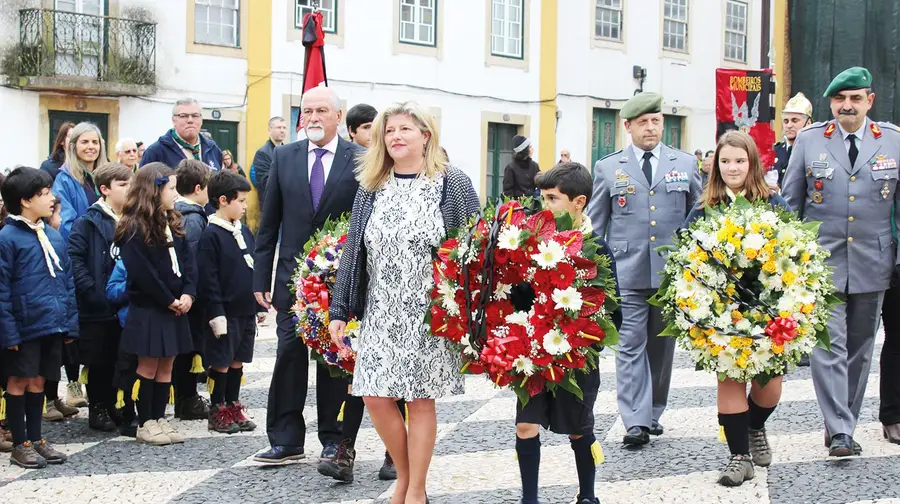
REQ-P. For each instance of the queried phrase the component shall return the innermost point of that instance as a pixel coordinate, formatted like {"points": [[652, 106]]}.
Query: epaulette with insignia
{"points": [[611, 154], [876, 131], [830, 129], [888, 126]]}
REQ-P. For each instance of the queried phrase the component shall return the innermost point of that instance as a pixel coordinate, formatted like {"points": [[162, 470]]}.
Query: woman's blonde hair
{"points": [[375, 164], [755, 185], [77, 167]]}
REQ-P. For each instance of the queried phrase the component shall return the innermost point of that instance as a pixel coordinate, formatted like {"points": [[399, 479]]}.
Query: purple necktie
{"points": [[317, 178]]}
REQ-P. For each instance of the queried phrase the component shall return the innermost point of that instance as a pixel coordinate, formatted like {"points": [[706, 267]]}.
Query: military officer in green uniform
{"points": [[797, 114], [641, 195], [843, 173]]}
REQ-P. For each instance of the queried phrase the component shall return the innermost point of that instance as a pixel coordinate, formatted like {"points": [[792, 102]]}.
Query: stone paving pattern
{"points": [[475, 458]]}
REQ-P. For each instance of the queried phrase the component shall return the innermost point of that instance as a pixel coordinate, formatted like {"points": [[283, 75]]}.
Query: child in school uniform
{"points": [[124, 374], [37, 311], [93, 258], [161, 289], [6, 445], [566, 187], [191, 203], [225, 263]]}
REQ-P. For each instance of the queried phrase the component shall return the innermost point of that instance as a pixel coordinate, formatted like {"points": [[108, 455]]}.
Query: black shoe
{"points": [[656, 429], [841, 446], [128, 430], [280, 455], [341, 468], [388, 471], [330, 451], [98, 419], [636, 436], [804, 361], [857, 449], [579, 500], [193, 408], [116, 415]]}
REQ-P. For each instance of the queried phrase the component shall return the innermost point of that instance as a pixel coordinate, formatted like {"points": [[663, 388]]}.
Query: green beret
{"points": [[851, 78], [640, 104]]}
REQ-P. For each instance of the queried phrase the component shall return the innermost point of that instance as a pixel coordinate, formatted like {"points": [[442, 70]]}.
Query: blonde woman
{"points": [[409, 198], [74, 186]]}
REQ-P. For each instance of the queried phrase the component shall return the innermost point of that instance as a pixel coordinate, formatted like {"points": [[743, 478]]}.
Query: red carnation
{"points": [[501, 255], [563, 276]]}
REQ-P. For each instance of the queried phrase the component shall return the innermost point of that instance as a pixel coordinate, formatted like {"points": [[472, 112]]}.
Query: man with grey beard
{"points": [[309, 182]]}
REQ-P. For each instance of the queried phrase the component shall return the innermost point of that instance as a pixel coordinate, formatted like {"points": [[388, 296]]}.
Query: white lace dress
{"points": [[397, 355]]}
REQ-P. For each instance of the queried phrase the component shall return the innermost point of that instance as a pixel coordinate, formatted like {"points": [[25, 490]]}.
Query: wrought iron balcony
{"points": [[67, 51]]}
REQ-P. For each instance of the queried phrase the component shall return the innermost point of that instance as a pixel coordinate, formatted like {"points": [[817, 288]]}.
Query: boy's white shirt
{"points": [[50, 256]]}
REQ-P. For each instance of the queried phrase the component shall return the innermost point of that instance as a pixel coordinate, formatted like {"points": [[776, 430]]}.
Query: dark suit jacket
{"points": [[782, 156], [288, 207]]}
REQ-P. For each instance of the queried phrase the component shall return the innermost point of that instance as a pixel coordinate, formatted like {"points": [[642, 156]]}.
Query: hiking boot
{"points": [[26, 457], [341, 468], [192, 408], [738, 470], [237, 414], [64, 408], [52, 414], [98, 419], [174, 436], [387, 472], [50, 454], [151, 433], [75, 396], [221, 420], [759, 448], [6, 444]]}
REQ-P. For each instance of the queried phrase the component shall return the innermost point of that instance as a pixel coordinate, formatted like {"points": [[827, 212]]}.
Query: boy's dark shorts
{"points": [[565, 413], [39, 357], [235, 345]]}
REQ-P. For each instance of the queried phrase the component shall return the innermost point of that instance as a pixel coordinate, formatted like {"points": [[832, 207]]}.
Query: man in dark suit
{"points": [[309, 182], [797, 114]]}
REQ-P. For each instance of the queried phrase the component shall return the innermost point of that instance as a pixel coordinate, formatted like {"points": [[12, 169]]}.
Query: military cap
{"points": [[640, 104], [798, 105], [849, 79]]}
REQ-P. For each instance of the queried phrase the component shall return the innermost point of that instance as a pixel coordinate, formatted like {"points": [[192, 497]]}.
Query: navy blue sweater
{"points": [[90, 244], [166, 151], [33, 303], [151, 282], [195, 221], [226, 282]]}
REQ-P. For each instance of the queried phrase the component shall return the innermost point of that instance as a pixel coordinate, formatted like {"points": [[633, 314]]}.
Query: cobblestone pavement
{"points": [[475, 459]]}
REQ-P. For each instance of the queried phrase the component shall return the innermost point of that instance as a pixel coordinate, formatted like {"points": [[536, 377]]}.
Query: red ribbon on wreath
{"points": [[782, 330], [496, 356]]}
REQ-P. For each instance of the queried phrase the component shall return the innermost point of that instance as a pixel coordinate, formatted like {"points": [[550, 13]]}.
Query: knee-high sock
{"points": [[529, 453], [758, 414], [160, 399], [737, 431], [72, 371], [219, 383], [145, 400], [233, 384], [51, 390], [185, 381], [15, 418], [353, 415], [584, 464], [34, 409]]}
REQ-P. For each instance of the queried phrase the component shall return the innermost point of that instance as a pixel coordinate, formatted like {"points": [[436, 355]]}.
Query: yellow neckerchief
{"points": [[731, 194]]}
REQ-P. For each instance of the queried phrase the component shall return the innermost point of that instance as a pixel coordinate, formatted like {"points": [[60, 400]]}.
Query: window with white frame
{"points": [[736, 31], [675, 25], [608, 20], [328, 8], [507, 28], [418, 21], [216, 22]]}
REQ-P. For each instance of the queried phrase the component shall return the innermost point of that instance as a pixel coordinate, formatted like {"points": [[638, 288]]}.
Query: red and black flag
{"points": [[314, 63], [743, 102]]}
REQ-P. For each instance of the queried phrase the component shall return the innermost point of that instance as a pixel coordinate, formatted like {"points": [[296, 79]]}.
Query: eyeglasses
{"points": [[129, 151], [188, 116]]}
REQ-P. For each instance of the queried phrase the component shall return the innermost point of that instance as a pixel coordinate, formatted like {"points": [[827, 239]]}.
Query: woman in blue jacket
{"points": [[74, 186]]}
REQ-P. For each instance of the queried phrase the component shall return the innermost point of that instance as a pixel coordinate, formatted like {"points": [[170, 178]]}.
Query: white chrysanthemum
{"points": [[804, 296], [569, 299], [753, 241], [686, 289], [769, 217], [549, 254], [700, 312], [509, 238], [519, 317], [743, 325], [786, 303], [502, 290], [720, 339], [523, 365], [321, 262], [555, 343]]}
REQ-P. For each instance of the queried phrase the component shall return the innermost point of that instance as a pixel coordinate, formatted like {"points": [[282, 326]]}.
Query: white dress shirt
{"points": [[327, 158], [654, 159], [860, 133]]}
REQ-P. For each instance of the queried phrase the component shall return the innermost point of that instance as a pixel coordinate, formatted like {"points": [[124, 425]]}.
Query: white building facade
{"points": [[477, 64]]}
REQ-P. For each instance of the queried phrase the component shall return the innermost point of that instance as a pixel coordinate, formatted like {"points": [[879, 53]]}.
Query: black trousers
{"points": [[889, 413], [285, 424]]}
